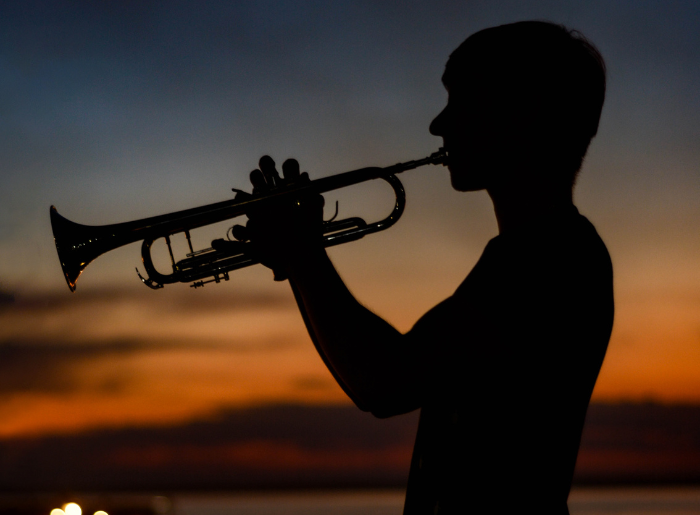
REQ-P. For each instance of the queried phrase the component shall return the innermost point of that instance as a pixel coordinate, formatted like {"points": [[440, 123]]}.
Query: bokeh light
{"points": [[72, 509]]}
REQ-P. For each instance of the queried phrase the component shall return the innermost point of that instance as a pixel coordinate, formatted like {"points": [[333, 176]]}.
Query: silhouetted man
{"points": [[502, 370]]}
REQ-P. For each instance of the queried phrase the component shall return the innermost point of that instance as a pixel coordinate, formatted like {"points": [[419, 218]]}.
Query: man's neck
{"points": [[518, 206]]}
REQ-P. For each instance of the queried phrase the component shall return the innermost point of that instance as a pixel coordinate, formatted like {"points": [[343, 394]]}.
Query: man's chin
{"points": [[465, 181]]}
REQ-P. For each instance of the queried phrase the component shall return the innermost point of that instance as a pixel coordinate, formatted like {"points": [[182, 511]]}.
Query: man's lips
{"points": [[451, 157]]}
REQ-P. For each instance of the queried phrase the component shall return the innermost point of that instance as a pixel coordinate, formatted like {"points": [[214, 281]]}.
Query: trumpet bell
{"points": [[78, 245], [72, 245]]}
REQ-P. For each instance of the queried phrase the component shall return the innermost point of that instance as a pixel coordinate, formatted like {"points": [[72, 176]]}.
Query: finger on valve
{"points": [[267, 167], [257, 179], [290, 170]]}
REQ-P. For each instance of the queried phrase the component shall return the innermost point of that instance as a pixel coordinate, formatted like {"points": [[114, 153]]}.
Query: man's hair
{"points": [[540, 73]]}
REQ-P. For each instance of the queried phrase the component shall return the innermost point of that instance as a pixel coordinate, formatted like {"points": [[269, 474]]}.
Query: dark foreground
{"points": [[583, 501]]}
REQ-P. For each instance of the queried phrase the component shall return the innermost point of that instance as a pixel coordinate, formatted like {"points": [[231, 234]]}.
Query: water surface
{"points": [[582, 501]]}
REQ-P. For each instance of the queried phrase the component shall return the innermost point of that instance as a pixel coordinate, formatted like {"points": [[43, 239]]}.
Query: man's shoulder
{"points": [[558, 243], [562, 259]]}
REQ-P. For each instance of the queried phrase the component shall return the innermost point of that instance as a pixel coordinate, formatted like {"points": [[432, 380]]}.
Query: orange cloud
{"points": [[118, 358], [654, 352]]}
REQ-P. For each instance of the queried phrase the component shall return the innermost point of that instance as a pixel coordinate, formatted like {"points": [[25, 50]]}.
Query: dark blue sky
{"points": [[113, 111], [116, 110]]}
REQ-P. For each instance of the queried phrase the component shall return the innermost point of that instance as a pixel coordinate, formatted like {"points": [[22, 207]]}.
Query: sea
{"points": [[582, 501]]}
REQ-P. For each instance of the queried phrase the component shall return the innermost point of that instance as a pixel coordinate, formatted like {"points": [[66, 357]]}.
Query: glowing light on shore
{"points": [[58, 511], [72, 509]]}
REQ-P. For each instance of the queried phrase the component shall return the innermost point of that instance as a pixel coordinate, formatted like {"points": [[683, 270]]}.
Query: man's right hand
{"points": [[282, 234]]}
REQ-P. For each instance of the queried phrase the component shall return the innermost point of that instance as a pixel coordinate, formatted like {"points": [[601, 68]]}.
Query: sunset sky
{"points": [[123, 110]]}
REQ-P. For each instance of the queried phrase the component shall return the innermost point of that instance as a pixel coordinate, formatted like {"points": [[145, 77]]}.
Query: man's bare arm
{"points": [[376, 364]]}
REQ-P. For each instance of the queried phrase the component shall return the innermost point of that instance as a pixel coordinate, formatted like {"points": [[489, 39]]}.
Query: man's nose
{"points": [[437, 126]]}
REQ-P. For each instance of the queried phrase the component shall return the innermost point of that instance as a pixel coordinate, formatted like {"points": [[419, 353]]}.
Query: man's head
{"points": [[524, 102]]}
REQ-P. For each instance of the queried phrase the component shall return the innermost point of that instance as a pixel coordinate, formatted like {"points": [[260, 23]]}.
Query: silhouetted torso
{"points": [[514, 355], [503, 370]]}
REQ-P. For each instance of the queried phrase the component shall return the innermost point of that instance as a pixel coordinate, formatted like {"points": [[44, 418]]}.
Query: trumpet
{"points": [[78, 245]]}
